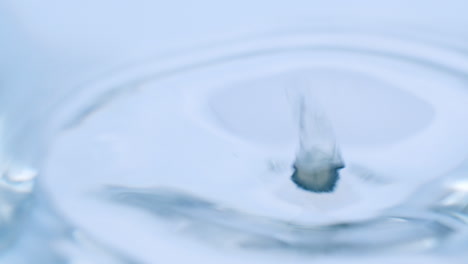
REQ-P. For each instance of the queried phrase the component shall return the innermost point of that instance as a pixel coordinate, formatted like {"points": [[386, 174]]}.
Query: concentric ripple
{"points": [[200, 147]]}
